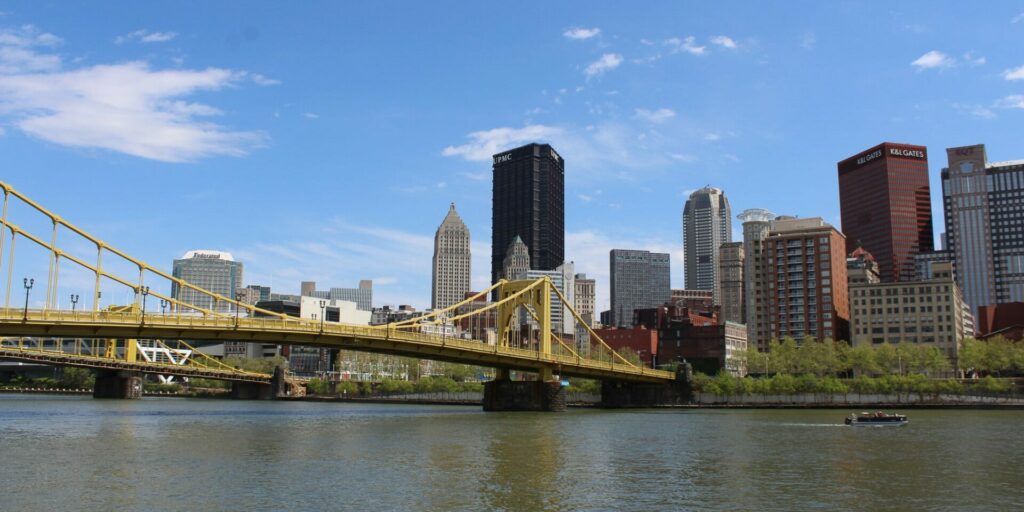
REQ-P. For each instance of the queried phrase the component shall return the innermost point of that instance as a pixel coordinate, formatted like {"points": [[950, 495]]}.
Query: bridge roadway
{"points": [[385, 340]]}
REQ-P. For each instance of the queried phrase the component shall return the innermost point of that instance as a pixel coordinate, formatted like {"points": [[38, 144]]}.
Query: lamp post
{"points": [[163, 307], [145, 293], [238, 299], [323, 309], [74, 302], [28, 286]]}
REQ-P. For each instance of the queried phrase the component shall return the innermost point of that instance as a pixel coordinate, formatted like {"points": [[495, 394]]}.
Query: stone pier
{"points": [[278, 387], [117, 384], [621, 395], [504, 394]]}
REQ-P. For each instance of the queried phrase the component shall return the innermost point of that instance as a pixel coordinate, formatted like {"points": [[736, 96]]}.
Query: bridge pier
{"points": [[117, 384], [622, 395], [504, 394], [278, 387]]}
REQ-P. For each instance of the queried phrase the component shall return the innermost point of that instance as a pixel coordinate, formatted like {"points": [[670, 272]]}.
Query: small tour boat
{"points": [[876, 419]]}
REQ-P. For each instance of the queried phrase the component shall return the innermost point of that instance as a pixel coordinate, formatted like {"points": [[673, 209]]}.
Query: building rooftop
{"points": [[203, 253]]}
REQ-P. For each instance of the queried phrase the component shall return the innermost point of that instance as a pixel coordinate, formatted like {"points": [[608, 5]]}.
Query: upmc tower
{"points": [[528, 201], [885, 203]]}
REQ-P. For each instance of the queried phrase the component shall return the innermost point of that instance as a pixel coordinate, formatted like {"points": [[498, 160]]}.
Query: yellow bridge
{"points": [[523, 338]]}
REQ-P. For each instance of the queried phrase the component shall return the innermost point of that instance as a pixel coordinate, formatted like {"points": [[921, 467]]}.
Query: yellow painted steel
{"points": [[513, 348]]}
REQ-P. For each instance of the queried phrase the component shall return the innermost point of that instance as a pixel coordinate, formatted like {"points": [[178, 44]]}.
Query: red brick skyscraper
{"points": [[885, 204]]}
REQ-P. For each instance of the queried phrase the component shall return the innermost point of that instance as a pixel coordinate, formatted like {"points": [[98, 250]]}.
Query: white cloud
{"points": [[1011, 101], [808, 41], [607, 62], [259, 79], [971, 59], [686, 45], [486, 143], [145, 36], [712, 136], [1018, 18], [976, 111], [127, 107], [658, 116], [933, 59], [1014, 74], [581, 33], [683, 158], [311, 115], [724, 41]]}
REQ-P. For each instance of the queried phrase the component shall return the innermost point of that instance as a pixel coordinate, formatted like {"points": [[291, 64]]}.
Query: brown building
{"points": [[730, 282], [1006, 320], [704, 342], [885, 202], [641, 339], [805, 273]]}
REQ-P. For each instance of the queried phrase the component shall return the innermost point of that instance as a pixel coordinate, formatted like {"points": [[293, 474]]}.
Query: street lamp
{"points": [[145, 293], [238, 299], [28, 286], [163, 307], [323, 308], [74, 302]]}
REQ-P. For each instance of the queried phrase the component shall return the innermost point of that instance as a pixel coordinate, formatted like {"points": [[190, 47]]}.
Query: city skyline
{"points": [[633, 150]]}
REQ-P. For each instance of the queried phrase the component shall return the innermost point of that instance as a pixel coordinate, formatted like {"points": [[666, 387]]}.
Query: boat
{"points": [[880, 419]]}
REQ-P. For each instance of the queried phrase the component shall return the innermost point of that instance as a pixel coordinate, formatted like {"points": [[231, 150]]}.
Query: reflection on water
{"points": [[62, 453]]}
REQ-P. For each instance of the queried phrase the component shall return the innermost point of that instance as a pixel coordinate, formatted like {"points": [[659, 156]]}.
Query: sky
{"points": [[325, 140]]}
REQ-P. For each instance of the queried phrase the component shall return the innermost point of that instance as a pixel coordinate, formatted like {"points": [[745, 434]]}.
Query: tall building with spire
{"points": [[517, 261], [451, 261], [707, 224]]}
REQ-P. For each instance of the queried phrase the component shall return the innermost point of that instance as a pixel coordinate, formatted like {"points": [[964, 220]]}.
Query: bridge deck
{"points": [[102, 324]]}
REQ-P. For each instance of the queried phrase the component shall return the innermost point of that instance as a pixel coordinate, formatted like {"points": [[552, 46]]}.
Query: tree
{"points": [[861, 359], [757, 361]]}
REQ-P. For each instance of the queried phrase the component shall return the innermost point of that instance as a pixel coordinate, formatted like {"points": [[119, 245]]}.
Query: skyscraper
{"points": [[984, 226], [707, 224], [516, 262], [757, 224], [451, 261], [886, 207], [730, 277], [213, 271], [586, 298], [528, 202], [362, 296], [639, 280]]}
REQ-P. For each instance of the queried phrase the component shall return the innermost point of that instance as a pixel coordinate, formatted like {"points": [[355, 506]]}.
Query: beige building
{"points": [[451, 261], [730, 281], [930, 311], [585, 299]]}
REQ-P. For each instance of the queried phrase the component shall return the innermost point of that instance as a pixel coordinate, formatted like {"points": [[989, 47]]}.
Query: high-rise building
{"points": [[886, 207], [730, 277], [586, 298], [707, 224], [984, 226], [805, 274], [757, 224], [307, 288], [528, 202], [639, 280], [213, 271], [451, 261], [563, 279], [929, 311], [362, 296], [923, 263], [517, 261]]}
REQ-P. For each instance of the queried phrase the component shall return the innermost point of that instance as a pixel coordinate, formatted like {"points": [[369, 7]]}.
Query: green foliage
{"points": [[318, 387], [200, 383], [584, 386], [77, 378], [258, 365], [348, 387]]}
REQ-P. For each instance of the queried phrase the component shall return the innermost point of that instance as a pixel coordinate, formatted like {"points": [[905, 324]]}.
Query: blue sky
{"points": [[324, 140]]}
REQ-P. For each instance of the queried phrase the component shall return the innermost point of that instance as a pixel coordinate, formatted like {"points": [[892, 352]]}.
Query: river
{"points": [[77, 453]]}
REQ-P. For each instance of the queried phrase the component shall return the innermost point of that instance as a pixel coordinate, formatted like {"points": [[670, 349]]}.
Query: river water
{"points": [[76, 453]]}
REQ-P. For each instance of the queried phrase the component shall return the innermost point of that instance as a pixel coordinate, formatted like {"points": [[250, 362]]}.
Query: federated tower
{"points": [[451, 261], [529, 202], [707, 224]]}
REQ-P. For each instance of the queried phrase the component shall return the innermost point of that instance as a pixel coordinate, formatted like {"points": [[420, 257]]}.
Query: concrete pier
{"points": [[524, 395], [278, 387], [622, 395], [117, 384]]}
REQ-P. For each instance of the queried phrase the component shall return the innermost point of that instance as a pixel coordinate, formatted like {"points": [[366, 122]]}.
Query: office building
{"points": [[984, 210], [516, 263], [885, 203], [305, 360], [805, 271], [707, 224], [708, 345], [214, 271], [730, 277], [586, 298], [451, 261], [861, 267], [924, 261], [528, 202], [562, 279], [639, 279], [929, 312], [1006, 320], [362, 296]]}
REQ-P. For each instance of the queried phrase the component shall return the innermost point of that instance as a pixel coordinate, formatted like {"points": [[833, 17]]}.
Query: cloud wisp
{"points": [[580, 33], [485, 143], [686, 45], [127, 107], [655, 116], [933, 60], [607, 62], [145, 36], [1014, 74]]}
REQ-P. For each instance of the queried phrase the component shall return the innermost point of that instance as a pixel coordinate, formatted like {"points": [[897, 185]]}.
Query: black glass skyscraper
{"points": [[529, 201]]}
